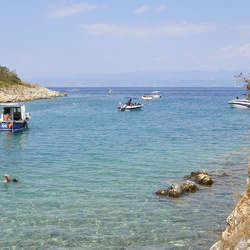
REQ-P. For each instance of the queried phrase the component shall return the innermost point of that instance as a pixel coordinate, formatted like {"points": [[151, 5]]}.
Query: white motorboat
{"points": [[147, 97], [13, 116], [131, 104], [243, 103], [156, 94]]}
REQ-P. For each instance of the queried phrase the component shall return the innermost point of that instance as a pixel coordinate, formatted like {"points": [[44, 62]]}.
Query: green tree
{"points": [[9, 76]]}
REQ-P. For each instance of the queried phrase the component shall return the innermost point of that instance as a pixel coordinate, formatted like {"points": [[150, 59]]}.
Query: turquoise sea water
{"points": [[88, 173]]}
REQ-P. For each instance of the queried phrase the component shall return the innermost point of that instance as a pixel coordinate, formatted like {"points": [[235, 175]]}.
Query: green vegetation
{"points": [[8, 77]]}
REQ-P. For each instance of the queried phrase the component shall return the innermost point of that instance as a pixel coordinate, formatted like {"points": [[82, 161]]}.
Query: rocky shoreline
{"points": [[26, 93], [237, 233]]}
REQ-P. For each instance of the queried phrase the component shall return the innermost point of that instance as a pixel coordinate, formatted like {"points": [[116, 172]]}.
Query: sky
{"points": [[51, 38]]}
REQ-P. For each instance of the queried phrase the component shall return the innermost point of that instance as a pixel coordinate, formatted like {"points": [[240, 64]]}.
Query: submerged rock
{"points": [[175, 191], [200, 177], [204, 179], [162, 192], [189, 187], [202, 171]]}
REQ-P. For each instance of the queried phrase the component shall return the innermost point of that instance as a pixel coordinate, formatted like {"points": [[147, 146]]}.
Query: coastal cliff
{"points": [[27, 92], [237, 233]]}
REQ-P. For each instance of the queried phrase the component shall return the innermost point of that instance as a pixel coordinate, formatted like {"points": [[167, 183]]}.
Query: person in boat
{"points": [[130, 102], [7, 179], [7, 117]]}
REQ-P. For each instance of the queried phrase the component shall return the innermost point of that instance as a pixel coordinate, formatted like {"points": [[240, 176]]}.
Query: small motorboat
{"points": [[156, 94], [13, 116], [111, 92], [147, 97], [131, 104], [243, 103]]}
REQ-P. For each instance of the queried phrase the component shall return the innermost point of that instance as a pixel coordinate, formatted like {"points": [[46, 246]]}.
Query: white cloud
{"points": [[232, 51], [243, 27], [172, 29], [161, 7], [142, 9], [63, 10]]}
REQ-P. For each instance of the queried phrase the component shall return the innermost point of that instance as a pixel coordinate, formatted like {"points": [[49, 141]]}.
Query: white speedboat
{"points": [[147, 97], [156, 94], [13, 116], [131, 104], [243, 103]]}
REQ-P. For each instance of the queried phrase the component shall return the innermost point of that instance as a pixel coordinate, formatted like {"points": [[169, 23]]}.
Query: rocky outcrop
{"points": [[237, 234], [28, 92], [189, 187], [200, 177], [177, 190]]}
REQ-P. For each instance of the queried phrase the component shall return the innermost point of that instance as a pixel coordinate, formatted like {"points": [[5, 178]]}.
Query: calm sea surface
{"points": [[88, 173]]}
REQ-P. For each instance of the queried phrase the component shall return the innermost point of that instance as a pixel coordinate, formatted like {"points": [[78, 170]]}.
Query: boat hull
{"points": [[129, 108], [241, 104], [13, 126], [136, 107], [156, 96], [147, 97]]}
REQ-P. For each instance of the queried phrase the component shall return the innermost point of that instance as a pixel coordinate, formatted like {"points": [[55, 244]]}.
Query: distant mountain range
{"points": [[221, 78]]}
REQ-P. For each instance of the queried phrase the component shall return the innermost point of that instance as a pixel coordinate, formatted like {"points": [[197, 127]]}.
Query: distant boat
{"points": [[147, 97], [131, 104], [75, 90], [155, 94], [110, 92], [13, 116], [242, 103]]}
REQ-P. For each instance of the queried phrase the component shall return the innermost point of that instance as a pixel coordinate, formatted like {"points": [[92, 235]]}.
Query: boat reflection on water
{"points": [[13, 141]]}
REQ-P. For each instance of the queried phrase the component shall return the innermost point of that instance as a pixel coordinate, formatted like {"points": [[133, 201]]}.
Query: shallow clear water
{"points": [[88, 173]]}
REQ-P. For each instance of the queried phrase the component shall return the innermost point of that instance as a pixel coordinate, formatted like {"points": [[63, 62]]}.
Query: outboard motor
{"points": [[28, 116]]}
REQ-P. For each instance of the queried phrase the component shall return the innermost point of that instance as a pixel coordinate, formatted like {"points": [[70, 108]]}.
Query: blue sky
{"points": [[51, 38]]}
